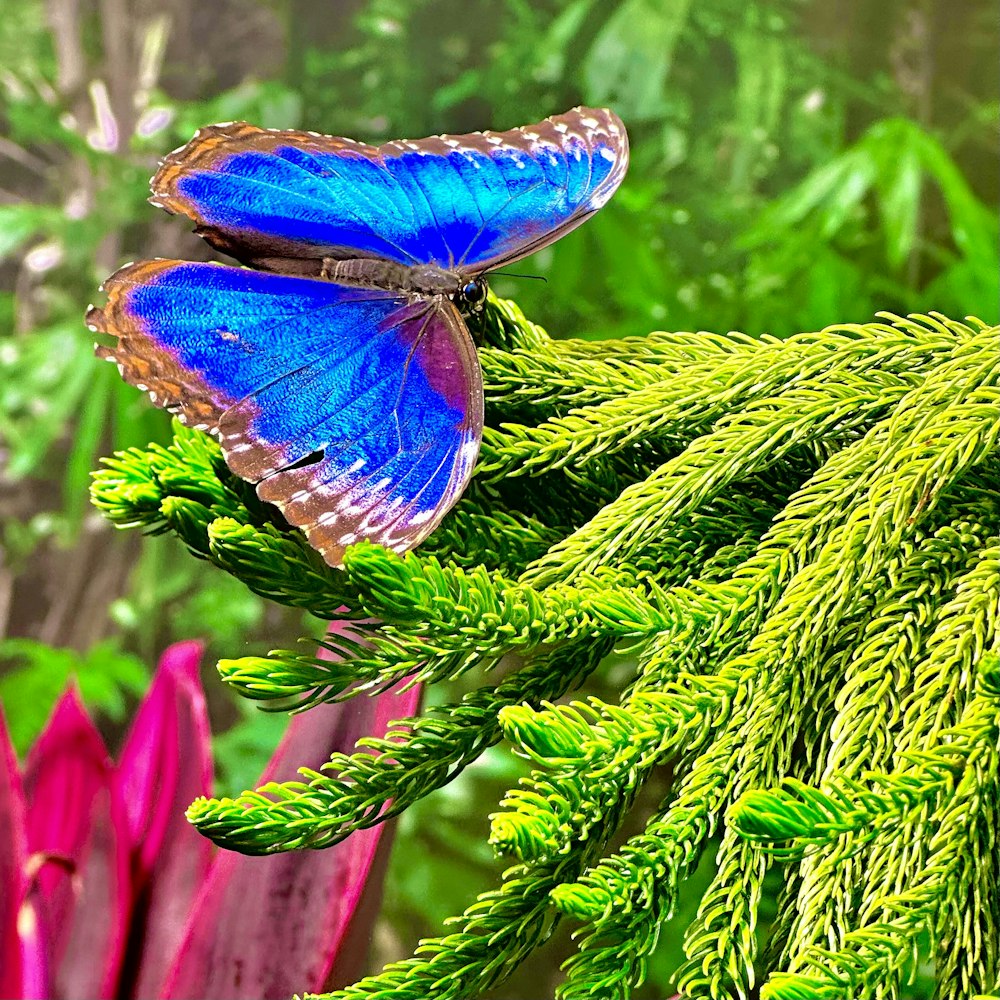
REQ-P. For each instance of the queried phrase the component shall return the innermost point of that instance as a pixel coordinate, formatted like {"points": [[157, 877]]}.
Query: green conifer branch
{"points": [[358, 790], [957, 628], [879, 668], [811, 409], [800, 540], [864, 702], [719, 939], [303, 579], [627, 895], [495, 934], [133, 484], [636, 521], [877, 951], [755, 371], [451, 619], [596, 756], [469, 537], [544, 384], [805, 814], [967, 943], [655, 853], [186, 488], [502, 325]]}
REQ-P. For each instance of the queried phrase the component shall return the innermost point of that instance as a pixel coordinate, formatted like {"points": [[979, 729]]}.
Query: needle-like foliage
{"points": [[800, 540]]}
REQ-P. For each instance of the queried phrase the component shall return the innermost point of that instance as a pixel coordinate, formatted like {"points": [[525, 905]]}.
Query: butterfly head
{"points": [[471, 297]]}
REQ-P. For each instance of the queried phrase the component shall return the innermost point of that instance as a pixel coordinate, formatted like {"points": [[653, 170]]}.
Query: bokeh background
{"points": [[794, 164]]}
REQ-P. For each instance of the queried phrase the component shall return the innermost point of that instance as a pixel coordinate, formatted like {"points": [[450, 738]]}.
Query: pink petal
{"points": [[268, 927], [77, 831], [13, 862], [36, 976], [166, 762]]}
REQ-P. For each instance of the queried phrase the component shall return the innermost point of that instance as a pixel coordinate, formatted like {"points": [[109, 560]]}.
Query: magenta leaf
{"points": [[20, 968], [36, 976], [271, 926], [77, 833], [165, 763]]}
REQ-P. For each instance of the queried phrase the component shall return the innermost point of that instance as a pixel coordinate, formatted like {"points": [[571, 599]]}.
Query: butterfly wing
{"points": [[359, 414], [466, 202]]}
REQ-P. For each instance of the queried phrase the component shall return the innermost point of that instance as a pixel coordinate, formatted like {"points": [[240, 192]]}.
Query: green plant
{"points": [[735, 108], [145, 906], [40, 674], [799, 539], [785, 174]]}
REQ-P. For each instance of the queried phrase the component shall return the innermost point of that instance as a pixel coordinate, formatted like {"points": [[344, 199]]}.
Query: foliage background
{"points": [[794, 164]]}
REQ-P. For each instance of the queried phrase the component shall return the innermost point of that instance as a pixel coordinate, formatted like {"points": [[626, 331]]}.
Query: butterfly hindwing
{"points": [[355, 411], [465, 202]]}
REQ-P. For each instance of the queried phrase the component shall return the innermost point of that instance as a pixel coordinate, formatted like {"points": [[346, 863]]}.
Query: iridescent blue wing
{"points": [[357, 413], [466, 202]]}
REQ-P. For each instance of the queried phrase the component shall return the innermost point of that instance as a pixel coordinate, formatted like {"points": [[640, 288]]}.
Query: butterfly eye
{"points": [[472, 295]]}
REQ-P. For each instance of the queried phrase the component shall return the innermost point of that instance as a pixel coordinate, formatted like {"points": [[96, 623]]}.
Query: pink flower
{"points": [[106, 891]]}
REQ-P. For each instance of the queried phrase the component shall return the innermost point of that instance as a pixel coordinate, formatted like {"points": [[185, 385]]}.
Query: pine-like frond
{"points": [[799, 540]]}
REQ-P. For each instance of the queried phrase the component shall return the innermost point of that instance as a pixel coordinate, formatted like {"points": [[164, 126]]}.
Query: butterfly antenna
{"points": [[512, 274]]}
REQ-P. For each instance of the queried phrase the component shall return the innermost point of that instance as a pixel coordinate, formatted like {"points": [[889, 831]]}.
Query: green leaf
{"points": [[106, 677], [900, 186], [628, 62], [19, 223]]}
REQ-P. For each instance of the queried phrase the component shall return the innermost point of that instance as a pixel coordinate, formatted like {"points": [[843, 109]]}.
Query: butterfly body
{"points": [[418, 279], [339, 375]]}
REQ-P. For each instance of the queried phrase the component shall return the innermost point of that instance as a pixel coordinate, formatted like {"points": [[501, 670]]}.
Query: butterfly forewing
{"points": [[470, 202], [357, 413]]}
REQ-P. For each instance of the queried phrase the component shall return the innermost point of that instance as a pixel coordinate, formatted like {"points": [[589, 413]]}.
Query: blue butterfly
{"points": [[336, 370]]}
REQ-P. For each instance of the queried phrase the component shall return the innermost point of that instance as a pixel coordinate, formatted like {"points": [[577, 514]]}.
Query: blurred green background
{"points": [[794, 164]]}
